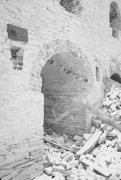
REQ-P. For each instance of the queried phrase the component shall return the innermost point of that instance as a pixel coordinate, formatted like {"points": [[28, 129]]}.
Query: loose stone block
{"points": [[77, 138], [59, 169], [75, 148], [48, 170], [69, 157], [119, 146]]}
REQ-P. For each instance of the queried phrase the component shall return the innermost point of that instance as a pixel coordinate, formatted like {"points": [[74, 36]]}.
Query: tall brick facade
{"points": [[51, 29]]}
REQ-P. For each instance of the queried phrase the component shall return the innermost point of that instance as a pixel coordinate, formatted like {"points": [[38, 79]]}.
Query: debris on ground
{"points": [[93, 156], [112, 102], [98, 157]]}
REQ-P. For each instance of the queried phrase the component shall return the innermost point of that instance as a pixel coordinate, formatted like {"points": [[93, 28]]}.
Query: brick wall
{"points": [[51, 29]]}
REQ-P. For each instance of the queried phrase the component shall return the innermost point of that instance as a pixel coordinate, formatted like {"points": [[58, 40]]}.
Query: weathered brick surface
{"points": [[51, 29]]}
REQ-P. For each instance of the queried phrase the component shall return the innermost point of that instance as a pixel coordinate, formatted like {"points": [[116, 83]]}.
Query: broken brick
{"points": [[75, 148], [48, 170], [119, 146], [69, 157], [59, 169]]}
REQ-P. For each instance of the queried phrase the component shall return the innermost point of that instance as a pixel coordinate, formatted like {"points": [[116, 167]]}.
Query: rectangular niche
{"points": [[17, 57], [17, 33]]}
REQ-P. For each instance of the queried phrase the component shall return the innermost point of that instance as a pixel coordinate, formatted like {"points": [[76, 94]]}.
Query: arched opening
{"points": [[116, 77], [73, 6], [115, 19], [65, 81]]}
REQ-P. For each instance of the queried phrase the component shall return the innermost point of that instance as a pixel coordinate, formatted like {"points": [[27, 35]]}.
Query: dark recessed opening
{"points": [[85, 80], [17, 58], [116, 77], [65, 80], [97, 74], [115, 22], [73, 6]]}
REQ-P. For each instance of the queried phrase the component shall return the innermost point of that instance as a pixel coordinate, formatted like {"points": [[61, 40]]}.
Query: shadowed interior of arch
{"points": [[116, 77], [65, 80], [115, 19]]}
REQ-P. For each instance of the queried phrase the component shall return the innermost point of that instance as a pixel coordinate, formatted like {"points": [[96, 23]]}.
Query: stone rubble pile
{"points": [[112, 101], [93, 156]]}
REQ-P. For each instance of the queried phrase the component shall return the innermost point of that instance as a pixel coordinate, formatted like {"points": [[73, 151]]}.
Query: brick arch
{"points": [[50, 49]]}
